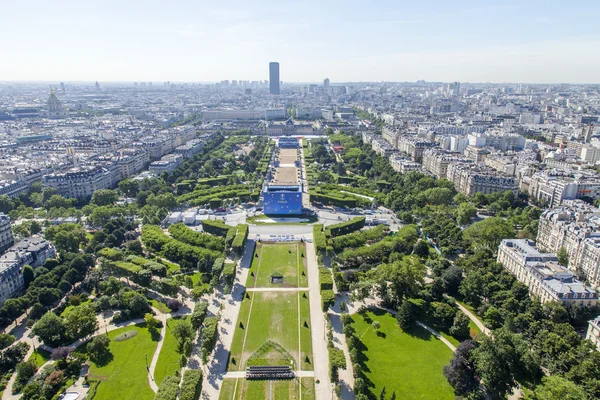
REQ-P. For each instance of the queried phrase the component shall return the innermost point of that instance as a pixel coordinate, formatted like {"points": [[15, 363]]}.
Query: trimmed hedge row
{"points": [[344, 228], [168, 389], [199, 314], [209, 337], [191, 386], [186, 235], [240, 239], [319, 237], [327, 299], [215, 227], [359, 239], [325, 279], [186, 255], [229, 273], [207, 191]]}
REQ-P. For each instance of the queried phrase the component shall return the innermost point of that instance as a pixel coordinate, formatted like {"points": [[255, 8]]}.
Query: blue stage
{"points": [[282, 200]]}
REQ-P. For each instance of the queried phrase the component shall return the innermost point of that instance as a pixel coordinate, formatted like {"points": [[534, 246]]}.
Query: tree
{"points": [[129, 188], [558, 388], [444, 315], [182, 330], [460, 327], [28, 275], [465, 212], [51, 329], [460, 373], [563, 257], [6, 340], [421, 249], [97, 348], [152, 323], [488, 234], [376, 325], [80, 322], [61, 353], [25, 371], [35, 227], [452, 277], [104, 197], [408, 311]]}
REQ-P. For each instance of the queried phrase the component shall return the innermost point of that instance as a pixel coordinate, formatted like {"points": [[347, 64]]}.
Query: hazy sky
{"points": [[376, 40]]}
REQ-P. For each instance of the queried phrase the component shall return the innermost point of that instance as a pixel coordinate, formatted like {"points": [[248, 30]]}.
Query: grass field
{"points": [[168, 359], [284, 258], [409, 363], [159, 305], [272, 316], [40, 356], [125, 375], [241, 389]]}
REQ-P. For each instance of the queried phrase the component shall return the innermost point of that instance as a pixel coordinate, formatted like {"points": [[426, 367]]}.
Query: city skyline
{"points": [[537, 42]]}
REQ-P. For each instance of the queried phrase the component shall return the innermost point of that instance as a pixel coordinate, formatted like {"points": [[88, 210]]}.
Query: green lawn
{"points": [[125, 376], [68, 309], [409, 363], [40, 356], [241, 389], [159, 305], [305, 336], [274, 317], [284, 258], [196, 278], [168, 360]]}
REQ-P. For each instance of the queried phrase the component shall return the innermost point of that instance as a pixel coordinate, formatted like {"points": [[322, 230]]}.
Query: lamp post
{"points": [[147, 368]]}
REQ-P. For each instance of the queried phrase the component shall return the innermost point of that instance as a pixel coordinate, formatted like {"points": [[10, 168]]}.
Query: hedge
{"points": [[359, 239], [184, 234], [337, 360], [319, 237], [217, 266], [199, 313], [186, 255], [332, 200], [127, 267], [168, 389], [209, 336], [230, 236], [325, 279], [111, 254], [344, 228], [219, 181], [229, 273], [215, 227], [240, 239], [327, 299], [191, 386]]}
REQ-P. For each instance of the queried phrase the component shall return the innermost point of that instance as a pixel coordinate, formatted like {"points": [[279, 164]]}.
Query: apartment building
{"points": [[470, 179], [6, 235], [436, 161], [414, 147], [402, 165], [552, 188], [167, 163], [33, 251], [82, 182], [593, 332], [574, 226], [541, 273]]}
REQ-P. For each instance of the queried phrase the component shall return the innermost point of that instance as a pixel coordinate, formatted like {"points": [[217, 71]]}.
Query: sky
{"points": [[527, 41]]}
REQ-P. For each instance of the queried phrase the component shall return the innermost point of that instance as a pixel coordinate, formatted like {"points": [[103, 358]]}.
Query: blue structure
{"points": [[289, 143], [282, 200]]}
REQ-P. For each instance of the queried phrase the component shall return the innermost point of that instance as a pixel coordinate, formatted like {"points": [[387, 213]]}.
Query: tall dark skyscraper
{"points": [[274, 77]]}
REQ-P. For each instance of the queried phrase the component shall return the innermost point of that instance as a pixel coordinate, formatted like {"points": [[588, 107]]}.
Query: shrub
{"points": [[327, 299], [194, 238], [191, 386], [325, 279], [209, 336], [199, 313], [173, 304], [240, 239], [229, 273], [215, 227], [319, 237], [344, 228], [168, 389], [337, 360]]}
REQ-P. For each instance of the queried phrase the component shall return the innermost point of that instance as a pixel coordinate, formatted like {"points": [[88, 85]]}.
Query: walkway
{"points": [[475, 320], [317, 319], [214, 372], [437, 335], [277, 289], [162, 318], [345, 376]]}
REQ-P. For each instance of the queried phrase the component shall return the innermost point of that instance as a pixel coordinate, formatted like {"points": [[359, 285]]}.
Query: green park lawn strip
{"points": [[160, 306], [282, 258], [168, 359], [274, 316], [68, 309], [40, 356], [196, 278], [124, 375], [409, 363], [260, 390], [305, 336]]}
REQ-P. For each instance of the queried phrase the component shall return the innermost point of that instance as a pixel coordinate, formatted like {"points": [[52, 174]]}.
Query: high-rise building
{"points": [[326, 83], [274, 77]]}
